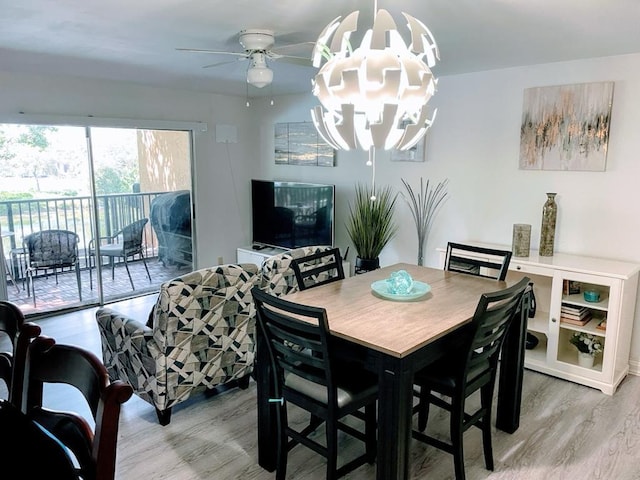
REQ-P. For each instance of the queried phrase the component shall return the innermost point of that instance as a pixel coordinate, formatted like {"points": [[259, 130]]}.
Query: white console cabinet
{"points": [[611, 321]]}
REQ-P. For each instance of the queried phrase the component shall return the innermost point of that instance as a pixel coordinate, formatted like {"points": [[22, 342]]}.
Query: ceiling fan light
{"points": [[259, 76]]}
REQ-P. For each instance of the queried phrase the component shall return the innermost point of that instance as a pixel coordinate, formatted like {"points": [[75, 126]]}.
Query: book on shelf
{"points": [[574, 312], [575, 321], [573, 308], [602, 324], [575, 315]]}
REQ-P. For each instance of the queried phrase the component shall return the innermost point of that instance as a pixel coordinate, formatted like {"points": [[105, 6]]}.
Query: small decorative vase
{"points": [[548, 229], [521, 240], [585, 360]]}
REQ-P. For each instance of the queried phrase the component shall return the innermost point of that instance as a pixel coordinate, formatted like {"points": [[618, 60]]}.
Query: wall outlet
{"points": [[220, 261]]}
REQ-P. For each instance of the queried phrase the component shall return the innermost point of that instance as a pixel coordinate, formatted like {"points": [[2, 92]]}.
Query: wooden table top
{"points": [[398, 328]]}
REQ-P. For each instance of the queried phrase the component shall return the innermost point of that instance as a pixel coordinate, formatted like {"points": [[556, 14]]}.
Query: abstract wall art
{"points": [[566, 127], [298, 143], [414, 154]]}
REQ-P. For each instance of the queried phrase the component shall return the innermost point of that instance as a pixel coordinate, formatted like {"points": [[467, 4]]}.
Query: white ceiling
{"points": [[136, 40]]}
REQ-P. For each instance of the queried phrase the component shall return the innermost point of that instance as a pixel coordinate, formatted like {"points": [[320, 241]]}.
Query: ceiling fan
{"points": [[258, 47]]}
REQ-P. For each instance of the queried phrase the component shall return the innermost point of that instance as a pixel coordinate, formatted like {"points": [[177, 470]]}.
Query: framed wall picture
{"points": [[414, 154], [566, 127], [299, 143]]}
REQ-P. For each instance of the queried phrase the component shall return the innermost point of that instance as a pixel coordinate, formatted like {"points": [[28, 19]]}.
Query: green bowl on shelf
{"points": [[591, 296]]}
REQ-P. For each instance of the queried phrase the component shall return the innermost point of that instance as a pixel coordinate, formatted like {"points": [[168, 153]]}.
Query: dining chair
{"points": [[301, 354], [92, 442], [18, 334], [27, 451], [469, 368], [51, 250], [480, 261], [123, 244], [277, 274], [318, 268]]}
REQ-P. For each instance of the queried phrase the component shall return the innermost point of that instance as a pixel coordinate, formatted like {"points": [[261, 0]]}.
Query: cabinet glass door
{"points": [[580, 316]]}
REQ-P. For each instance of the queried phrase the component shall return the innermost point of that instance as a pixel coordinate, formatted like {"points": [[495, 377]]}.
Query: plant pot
{"points": [[585, 360], [364, 265]]}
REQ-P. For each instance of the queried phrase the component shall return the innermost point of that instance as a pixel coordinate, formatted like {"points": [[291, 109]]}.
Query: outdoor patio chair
{"points": [[123, 244], [51, 250]]}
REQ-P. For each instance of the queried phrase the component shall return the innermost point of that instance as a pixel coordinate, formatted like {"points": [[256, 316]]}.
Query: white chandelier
{"points": [[373, 96]]}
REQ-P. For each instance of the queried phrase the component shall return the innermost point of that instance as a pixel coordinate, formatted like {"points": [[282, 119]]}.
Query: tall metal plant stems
{"points": [[424, 205]]}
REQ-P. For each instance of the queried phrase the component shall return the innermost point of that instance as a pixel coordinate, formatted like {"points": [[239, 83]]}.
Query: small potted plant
{"points": [[370, 225], [588, 346]]}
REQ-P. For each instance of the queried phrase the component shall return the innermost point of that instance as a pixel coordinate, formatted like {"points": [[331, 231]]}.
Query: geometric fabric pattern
{"points": [[277, 275], [200, 334]]}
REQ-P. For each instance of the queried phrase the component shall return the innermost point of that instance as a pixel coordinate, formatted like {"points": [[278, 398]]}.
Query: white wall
{"points": [[219, 167], [475, 144]]}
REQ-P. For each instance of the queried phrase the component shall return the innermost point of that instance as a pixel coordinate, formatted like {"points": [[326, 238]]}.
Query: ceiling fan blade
{"points": [[304, 61], [226, 63], [217, 52], [293, 45]]}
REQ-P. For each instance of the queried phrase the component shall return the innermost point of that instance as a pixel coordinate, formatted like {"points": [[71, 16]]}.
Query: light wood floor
{"points": [[566, 432]]}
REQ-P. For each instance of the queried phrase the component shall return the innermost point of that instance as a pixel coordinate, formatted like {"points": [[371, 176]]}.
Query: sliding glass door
{"points": [[124, 196]]}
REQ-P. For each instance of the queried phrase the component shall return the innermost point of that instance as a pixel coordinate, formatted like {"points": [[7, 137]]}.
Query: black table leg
{"points": [[394, 418], [267, 429]]}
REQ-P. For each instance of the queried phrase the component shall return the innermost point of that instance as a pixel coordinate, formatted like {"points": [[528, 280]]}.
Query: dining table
{"points": [[394, 336]]}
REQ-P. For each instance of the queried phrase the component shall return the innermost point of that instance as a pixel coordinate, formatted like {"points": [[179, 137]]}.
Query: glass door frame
{"points": [[192, 128]]}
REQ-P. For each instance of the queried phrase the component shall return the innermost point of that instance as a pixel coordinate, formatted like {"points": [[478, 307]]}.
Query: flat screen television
{"points": [[292, 214]]}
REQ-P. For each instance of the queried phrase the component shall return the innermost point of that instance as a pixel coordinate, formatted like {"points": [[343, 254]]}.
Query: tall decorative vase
{"points": [[548, 229]]}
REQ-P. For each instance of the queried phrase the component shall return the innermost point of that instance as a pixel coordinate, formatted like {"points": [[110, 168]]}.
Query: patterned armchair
{"points": [[200, 334], [277, 275]]}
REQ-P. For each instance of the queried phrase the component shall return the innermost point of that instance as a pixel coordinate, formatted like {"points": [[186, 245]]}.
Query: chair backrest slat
{"points": [[297, 338], [492, 318], [318, 268], [277, 273], [479, 261]]}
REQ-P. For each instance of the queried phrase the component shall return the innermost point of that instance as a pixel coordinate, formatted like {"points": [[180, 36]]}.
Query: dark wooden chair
{"points": [[318, 268], [300, 351], [16, 333], [480, 261], [92, 442], [469, 368], [28, 452], [123, 244]]}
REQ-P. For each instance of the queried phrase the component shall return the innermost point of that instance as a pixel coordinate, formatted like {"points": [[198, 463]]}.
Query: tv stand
{"points": [[251, 254]]}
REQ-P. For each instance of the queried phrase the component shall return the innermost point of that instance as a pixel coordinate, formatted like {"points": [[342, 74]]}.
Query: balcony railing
{"points": [[19, 218]]}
